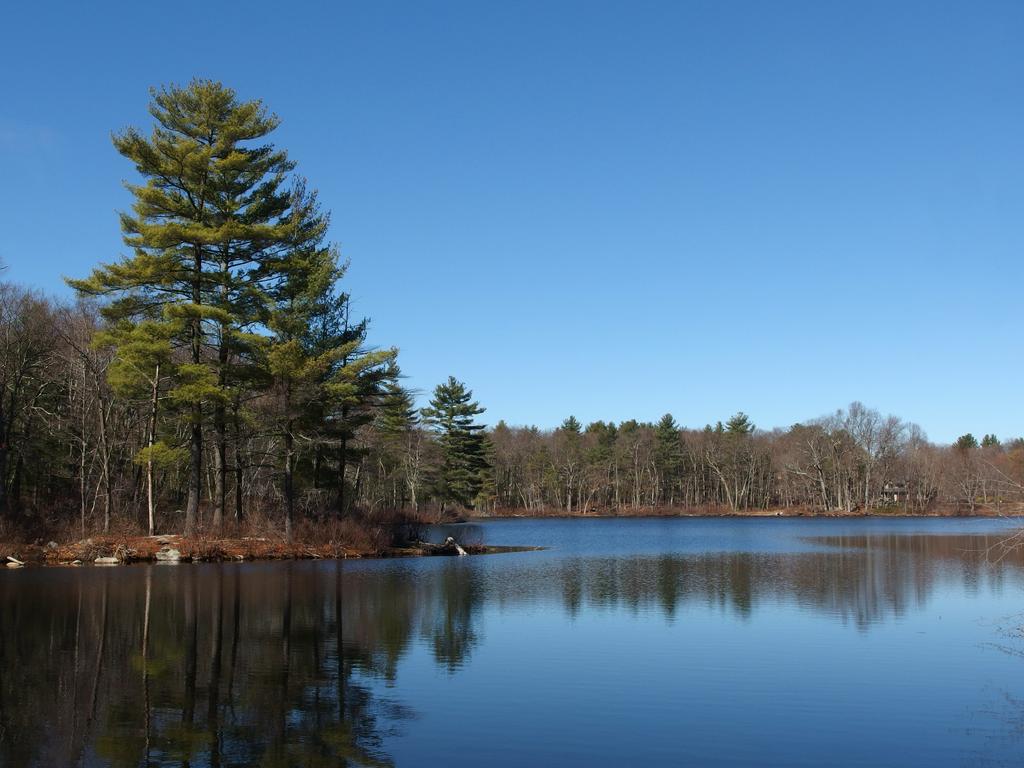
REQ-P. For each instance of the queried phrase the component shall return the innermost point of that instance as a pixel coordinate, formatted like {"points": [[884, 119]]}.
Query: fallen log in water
{"points": [[448, 547]]}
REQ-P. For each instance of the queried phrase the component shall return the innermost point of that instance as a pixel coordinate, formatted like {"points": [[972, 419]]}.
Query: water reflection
{"points": [[202, 665], [274, 664], [860, 579]]}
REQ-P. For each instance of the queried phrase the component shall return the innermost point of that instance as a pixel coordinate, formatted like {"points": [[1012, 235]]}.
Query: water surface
{"points": [[627, 642]]}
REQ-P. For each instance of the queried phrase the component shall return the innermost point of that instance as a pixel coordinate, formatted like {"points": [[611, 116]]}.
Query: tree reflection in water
{"points": [[191, 666], [275, 663]]}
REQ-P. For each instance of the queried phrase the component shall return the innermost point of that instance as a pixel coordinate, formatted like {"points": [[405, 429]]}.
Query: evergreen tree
{"points": [[212, 209], [571, 425], [966, 442], [990, 441], [451, 414], [731, 456], [602, 454], [319, 367], [668, 455], [303, 279], [355, 385], [399, 413], [399, 422], [739, 425], [568, 457]]}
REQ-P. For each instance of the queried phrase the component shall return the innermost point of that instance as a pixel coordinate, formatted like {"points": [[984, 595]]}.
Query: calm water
{"points": [[628, 642]]}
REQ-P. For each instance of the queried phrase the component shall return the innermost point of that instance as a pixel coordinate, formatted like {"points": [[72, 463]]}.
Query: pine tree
{"points": [[668, 455], [319, 365], [568, 456], [739, 425], [729, 453], [213, 208], [355, 385], [398, 414], [399, 422], [603, 454], [451, 414], [302, 280], [571, 424], [966, 442]]}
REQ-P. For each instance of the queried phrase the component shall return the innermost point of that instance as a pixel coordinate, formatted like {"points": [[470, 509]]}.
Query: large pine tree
{"points": [[214, 207], [322, 371], [354, 385]]}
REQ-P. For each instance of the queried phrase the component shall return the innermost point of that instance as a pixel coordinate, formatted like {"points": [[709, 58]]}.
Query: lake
{"points": [[700, 641]]}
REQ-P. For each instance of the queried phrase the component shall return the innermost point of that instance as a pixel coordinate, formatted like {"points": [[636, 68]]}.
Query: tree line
{"points": [[852, 460], [215, 375], [96, 430]]}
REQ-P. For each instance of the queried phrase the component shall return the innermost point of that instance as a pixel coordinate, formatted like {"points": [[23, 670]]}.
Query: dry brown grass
{"points": [[258, 536]]}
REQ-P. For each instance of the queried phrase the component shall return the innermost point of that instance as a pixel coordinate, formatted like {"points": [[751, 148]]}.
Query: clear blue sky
{"points": [[607, 209]]}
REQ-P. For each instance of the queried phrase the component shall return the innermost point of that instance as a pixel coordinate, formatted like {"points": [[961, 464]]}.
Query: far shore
{"points": [[980, 510]]}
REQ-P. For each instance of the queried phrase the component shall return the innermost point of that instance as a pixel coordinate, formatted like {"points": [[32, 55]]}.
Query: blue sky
{"points": [[607, 209]]}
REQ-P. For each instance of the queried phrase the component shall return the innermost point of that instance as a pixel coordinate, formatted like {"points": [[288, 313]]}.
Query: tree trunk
{"points": [[195, 447], [238, 460], [3, 477], [317, 459], [105, 462], [15, 495], [195, 475], [81, 474], [4, 451], [342, 465], [154, 399], [220, 431], [220, 427], [220, 465], [289, 489]]}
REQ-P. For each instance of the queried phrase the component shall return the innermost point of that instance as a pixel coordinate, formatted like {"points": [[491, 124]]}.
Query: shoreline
{"points": [[109, 550], [174, 549]]}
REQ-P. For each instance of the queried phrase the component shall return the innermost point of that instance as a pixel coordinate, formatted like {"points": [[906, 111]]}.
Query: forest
{"points": [[214, 379]]}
